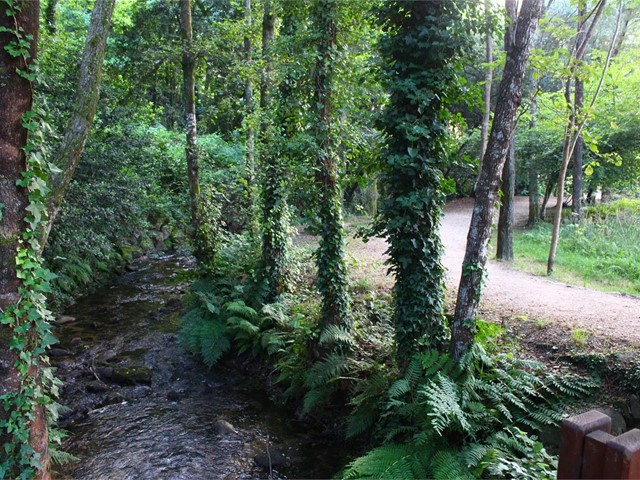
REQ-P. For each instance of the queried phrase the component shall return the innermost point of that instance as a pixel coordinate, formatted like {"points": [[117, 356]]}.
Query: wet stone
{"points": [[96, 387], [272, 458], [60, 352], [618, 424], [132, 375], [634, 408], [222, 427]]}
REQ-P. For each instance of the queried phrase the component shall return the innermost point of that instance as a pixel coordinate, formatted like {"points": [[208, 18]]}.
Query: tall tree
{"points": [[274, 202], [332, 271], [23, 421], [85, 105], [504, 247], [189, 85], [504, 120], [420, 79]]}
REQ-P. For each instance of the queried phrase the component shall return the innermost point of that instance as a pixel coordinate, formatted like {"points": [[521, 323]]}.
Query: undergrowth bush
{"points": [[469, 420]]}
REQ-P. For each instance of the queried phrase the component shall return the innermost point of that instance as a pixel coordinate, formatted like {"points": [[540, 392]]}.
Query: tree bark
{"points": [[50, 16], [509, 97], [16, 97], [504, 250], [68, 154], [189, 85]]}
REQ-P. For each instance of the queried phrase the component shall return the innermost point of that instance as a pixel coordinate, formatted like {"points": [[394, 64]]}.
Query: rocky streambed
{"points": [[142, 408]]}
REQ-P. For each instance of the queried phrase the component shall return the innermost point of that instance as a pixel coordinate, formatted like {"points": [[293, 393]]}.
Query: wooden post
{"points": [[623, 456], [573, 433], [594, 454]]}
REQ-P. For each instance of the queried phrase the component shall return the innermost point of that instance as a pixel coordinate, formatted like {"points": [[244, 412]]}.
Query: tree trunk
{"points": [[250, 163], [50, 16], [332, 279], [67, 155], [16, 96], [504, 250], [509, 97], [275, 240], [548, 190], [578, 102], [534, 205], [488, 81], [189, 84]]}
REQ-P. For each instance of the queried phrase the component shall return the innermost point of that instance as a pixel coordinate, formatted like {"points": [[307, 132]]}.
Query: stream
{"points": [[140, 407]]}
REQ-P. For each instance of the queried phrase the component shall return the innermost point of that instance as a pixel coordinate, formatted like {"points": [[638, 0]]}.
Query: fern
{"points": [[335, 334], [447, 465]]}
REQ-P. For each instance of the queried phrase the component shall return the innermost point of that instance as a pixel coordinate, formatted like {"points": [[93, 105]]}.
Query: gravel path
{"points": [[511, 292]]}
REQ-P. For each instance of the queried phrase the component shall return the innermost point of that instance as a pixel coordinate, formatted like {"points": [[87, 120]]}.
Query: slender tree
{"points": [[576, 119], [23, 421], [534, 201], [332, 279], [189, 85], [504, 248], [578, 99], [68, 154], [504, 120], [420, 79]]}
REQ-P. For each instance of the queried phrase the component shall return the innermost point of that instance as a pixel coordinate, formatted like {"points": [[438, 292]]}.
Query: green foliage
{"points": [[422, 59], [469, 420]]}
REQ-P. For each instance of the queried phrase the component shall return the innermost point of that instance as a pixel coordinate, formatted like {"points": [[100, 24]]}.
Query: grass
{"points": [[601, 252]]}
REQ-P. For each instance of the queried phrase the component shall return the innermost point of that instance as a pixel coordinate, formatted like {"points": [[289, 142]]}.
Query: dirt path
{"points": [[513, 293]]}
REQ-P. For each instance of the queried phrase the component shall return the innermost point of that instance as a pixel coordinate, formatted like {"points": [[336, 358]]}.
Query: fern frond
{"points": [[447, 465], [333, 334]]}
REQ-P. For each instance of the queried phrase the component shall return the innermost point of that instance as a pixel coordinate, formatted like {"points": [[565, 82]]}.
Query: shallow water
{"points": [[169, 422]]}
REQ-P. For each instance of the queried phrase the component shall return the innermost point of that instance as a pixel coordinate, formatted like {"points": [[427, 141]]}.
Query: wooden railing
{"points": [[588, 450]]}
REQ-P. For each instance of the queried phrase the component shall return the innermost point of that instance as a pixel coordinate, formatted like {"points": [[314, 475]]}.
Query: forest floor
{"points": [[543, 312]]}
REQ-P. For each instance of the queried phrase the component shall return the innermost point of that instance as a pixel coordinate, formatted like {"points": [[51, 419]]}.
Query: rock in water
{"points": [[222, 427]]}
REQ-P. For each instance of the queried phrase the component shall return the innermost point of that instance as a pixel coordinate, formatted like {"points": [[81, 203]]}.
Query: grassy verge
{"points": [[601, 252]]}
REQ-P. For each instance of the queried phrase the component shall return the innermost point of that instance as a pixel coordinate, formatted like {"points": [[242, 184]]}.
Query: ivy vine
{"points": [[422, 53], [28, 318]]}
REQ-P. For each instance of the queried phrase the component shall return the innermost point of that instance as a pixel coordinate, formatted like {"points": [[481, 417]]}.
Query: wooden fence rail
{"points": [[588, 450]]}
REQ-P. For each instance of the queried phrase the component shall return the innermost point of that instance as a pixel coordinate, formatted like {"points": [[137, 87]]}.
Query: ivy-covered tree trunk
{"points": [[332, 279], [16, 96], [250, 162], [85, 105], [189, 85], [475, 259], [420, 52], [274, 201]]}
